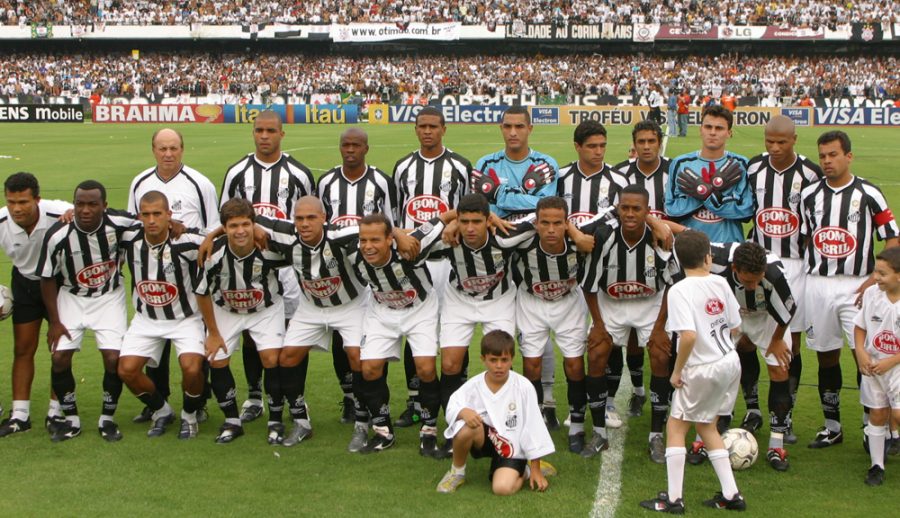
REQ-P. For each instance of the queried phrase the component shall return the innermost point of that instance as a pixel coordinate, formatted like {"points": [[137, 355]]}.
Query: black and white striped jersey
{"points": [[588, 195], [241, 284], [621, 271], [192, 197], [22, 248], [163, 276], [428, 187], [85, 263], [544, 275], [348, 202], [272, 188], [776, 199], [772, 295], [325, 270], [655, 182], [840, 226]]}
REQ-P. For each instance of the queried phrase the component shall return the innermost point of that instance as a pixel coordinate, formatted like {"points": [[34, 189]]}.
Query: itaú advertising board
{"points": [[216, 114]]}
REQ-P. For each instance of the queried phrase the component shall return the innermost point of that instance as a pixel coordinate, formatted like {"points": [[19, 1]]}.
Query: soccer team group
{"points": [[277, 265]]}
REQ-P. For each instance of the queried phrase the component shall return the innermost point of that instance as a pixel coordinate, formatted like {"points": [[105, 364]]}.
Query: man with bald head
{"points": [[776, 179], [192, 200]]}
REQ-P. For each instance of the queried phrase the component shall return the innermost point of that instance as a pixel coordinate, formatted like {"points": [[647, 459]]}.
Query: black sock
{"points": [[191, 403], [794, 372], [779, 405], [750, 378], [539, 388], [465, 366], [253, 369], [830, 383], [597, 391], [660, 393], [63, 384], [160, 375], [449, 384], [112, 389], [274, 394], [413, 383], [359, 402], [614, 369], [152, 400], [292, 390], [207, 381], [430, 397], [341, 363], [224, 387], [636, 368], [576, 392], [377, 397], [724, 423], [303, 370]]}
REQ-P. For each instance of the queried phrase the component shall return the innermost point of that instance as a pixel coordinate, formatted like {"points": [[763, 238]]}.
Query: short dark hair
{"points": [[831, 136], [717, 110], [22, 181], [236, 208], [268, 114], [587, 129], [517, 110], [153, 197], [634, 188], [377, 218], [749, 257], [551, 202], [892, 257], [474, 202], [91, 185], [691, 248], [647, 125], [431, 110], [498, 343]]}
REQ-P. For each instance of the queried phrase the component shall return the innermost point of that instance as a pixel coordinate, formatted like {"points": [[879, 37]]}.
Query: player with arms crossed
{"points": [[703, 312], [495, 415]]}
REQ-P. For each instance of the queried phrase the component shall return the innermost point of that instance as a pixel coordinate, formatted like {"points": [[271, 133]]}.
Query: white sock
{"points": [[675, 471], [53, 410], [233, 420], [458, 471], [755, 411], [876, 443], [257, 402], [74, 420], [162, 412], [576, 428], [698, 438], [720, 463], [21, 409], [601, 430], [103, 419], [776, 440], [639, 391], [189, 417], [304, 422], [654, 434], [832, 426], [895, 434]]}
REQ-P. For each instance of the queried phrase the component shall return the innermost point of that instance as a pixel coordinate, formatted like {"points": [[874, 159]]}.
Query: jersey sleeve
{"points": [[882, 217], [131, 206], [862, 315], [48, 261], [535, 439], [782, 305], [513, 199], [592, 266], [280, 232], [210, 206], [732, 307], [680, 313]]}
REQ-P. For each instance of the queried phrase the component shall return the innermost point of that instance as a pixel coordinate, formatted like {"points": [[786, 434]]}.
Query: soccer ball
{"points": [[742, 448], [6, 302]]}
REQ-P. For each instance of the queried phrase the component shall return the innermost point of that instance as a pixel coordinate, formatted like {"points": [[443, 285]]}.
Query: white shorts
{"points": [[385, 327], [313, 326], [460, 314], [291, 288], [709, 390], [105, 315], [440, 276], [620, 316], [147, 337], [832, 303], [881, 391], [566, 317], [795, 270], [266, 327], [759, 327]]}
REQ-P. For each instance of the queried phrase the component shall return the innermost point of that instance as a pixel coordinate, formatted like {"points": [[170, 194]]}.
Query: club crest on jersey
{"points": [[242, 300], [445, 187], [322, 288], [369, 206], [176, 206], [425, 207], [580, 218], [553, 290], [714, 307], [481, 283], [249, 189], [396, 299], [346, 221], [603, 203], [502, 445], [96, 275], [283, 193], [886, 342], [706, 216], [629, 290], [853, 217], [268, 210], [794, 198], [777, 222], [512, 420], [157, 293], [834, 242]]}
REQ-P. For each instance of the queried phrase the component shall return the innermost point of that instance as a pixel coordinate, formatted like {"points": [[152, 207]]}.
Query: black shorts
{"points": [[488, 451], [29, 304]]}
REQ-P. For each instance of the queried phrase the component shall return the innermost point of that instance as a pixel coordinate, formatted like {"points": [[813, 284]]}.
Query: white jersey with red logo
{"points": [[247, 284], [272, 188], [516, 428], [707, 306], [347, 202], [428, 187], [881, 319], [586, 195]]}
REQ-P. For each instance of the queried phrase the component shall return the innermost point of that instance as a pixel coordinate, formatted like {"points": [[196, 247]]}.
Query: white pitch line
{"points": [[609, 486], [665, 142]]}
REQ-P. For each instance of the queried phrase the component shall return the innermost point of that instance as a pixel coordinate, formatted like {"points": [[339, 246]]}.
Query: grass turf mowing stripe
{"points": [[609, 486]]}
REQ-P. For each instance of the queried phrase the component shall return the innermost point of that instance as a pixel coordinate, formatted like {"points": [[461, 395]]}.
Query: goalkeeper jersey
{"points": [[512, 200]]}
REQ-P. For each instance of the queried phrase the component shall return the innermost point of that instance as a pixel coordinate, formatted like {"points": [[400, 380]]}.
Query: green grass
{"points": [[169, 477]]}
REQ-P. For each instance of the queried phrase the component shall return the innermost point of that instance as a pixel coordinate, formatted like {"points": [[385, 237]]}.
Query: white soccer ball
{"points": [[742, 448], [6, 302]]}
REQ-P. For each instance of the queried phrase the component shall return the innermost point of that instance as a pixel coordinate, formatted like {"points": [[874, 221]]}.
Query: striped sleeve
{"points": [[781, 301], [882, 217]]}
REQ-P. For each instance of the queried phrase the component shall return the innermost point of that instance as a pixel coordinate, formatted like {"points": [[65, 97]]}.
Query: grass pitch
{"points": [[162, 477]]}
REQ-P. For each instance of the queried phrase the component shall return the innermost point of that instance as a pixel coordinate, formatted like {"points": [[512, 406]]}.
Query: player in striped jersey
{"points": [[81, 285], [776, 179], [429, 182], [761, 287], [707, 190], [23, 223], [841, 216], [624, 281], [193, 201], [273, 181], [350, 192], [239, 290], [163, 275]]}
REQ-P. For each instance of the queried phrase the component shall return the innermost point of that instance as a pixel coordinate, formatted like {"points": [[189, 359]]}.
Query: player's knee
{"points": [[61, 361], [829, 358], [127, 372], [574, 368], [503, 486], [879, 416], [191, 368], [659, 362]]}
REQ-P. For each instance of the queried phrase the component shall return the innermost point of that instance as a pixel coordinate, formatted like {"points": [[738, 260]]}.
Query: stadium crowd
{"points": [[406, 78], [800, 13]]}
